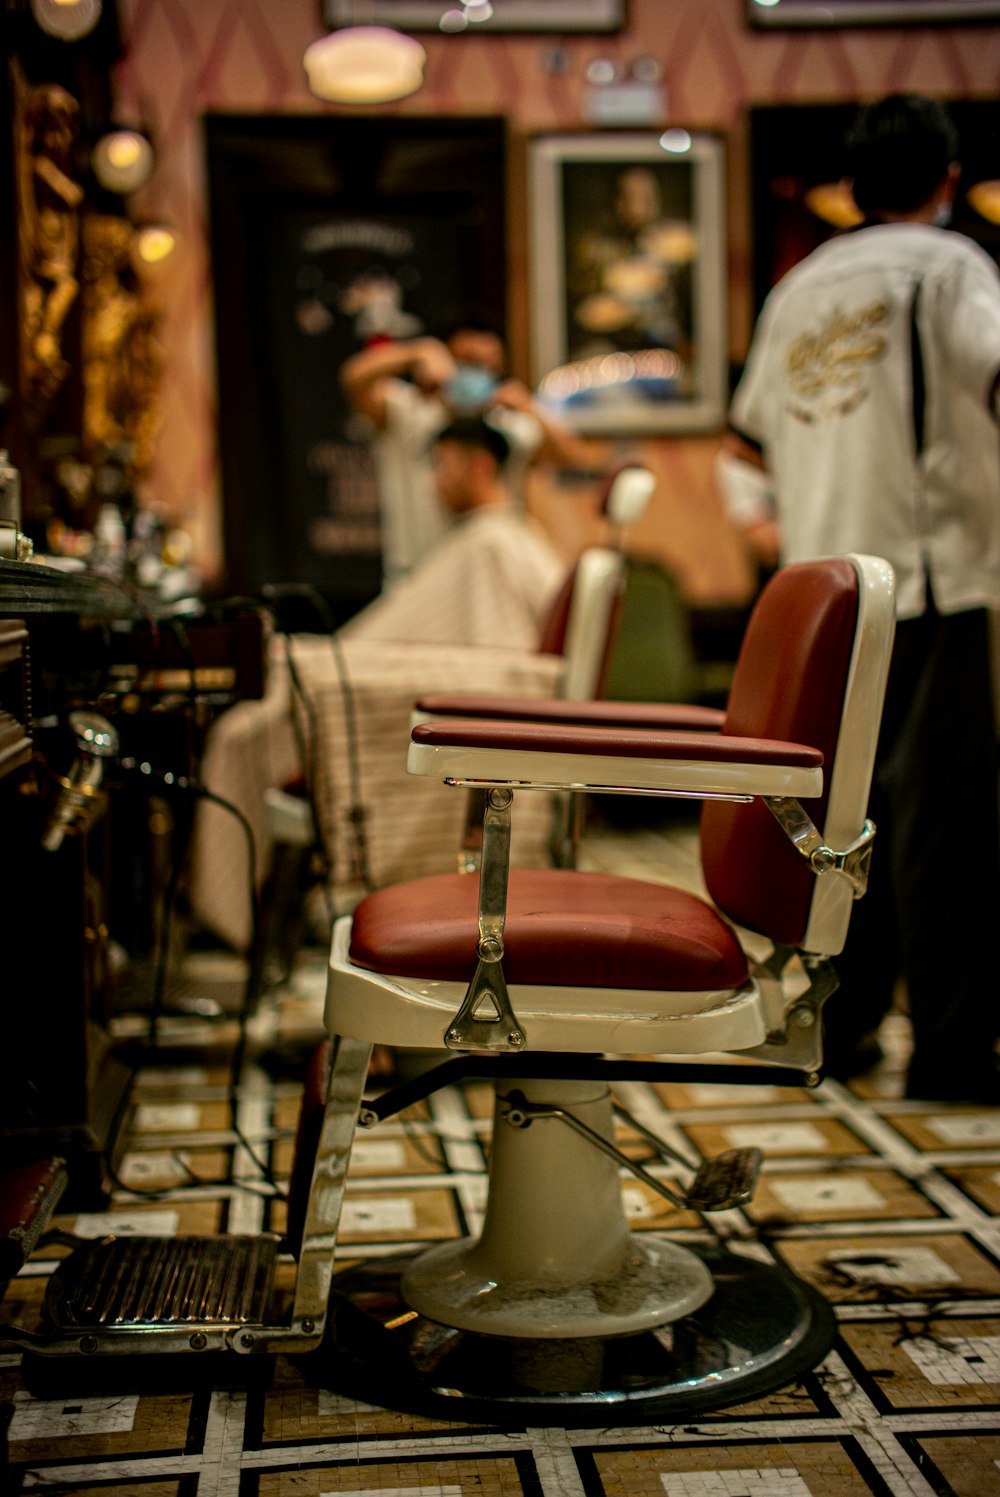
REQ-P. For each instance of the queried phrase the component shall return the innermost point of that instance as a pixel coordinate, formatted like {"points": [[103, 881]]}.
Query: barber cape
{"points": [[868, 388], [490, 582]]}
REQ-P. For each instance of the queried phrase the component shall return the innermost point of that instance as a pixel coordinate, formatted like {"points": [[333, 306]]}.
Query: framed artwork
{"points": [[548, 16], [829, 13], [628, 288]]}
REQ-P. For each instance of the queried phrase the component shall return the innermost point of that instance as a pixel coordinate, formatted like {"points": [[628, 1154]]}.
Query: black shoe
{"points": [[982, 1087], [845, 1065]]}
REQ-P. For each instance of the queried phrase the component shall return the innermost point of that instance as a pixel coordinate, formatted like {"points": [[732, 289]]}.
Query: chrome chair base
{"points": [[761, 1329]]}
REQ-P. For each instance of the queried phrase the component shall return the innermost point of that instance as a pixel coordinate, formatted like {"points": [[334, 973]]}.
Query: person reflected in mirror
{"points": [[409, 391], [492, 579]]}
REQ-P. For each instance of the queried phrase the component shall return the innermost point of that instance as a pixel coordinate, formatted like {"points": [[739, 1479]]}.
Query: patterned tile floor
{"points": [[890, 1208]]}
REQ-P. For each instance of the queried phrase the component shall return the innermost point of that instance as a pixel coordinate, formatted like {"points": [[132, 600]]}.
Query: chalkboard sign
{"points": [[326, 234]]}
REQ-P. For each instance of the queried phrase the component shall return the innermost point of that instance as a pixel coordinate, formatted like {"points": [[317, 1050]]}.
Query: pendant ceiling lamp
{"points": [[66, 19], [123, 160], [985, 198], [154, 243], [364, 65]]}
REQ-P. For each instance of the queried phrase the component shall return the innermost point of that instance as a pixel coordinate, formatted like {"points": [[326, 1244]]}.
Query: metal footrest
{"points": [[727, 1180], [129, 1283]]}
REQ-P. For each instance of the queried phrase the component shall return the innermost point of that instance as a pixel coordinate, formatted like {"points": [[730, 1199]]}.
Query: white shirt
{"points": [[412, 519], [490, 582], [875, 335]]}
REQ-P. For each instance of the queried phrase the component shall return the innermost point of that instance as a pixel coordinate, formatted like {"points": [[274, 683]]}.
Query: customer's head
{"points": [[474, 341], [901, 154], [468, 459]]}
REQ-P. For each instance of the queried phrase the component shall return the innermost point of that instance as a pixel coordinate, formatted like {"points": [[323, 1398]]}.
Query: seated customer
{"points": [[493, 578]]}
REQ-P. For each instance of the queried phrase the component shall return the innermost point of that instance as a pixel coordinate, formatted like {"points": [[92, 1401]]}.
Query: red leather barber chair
{"points": [[556, 984]]}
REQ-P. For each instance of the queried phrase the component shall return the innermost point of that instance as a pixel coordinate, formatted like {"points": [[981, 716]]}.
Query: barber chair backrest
{"points": [[585, 619], [584, 622], [811, 669]]}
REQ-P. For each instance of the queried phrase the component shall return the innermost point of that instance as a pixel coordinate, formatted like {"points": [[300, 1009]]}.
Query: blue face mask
{"points": [[471, 389]]}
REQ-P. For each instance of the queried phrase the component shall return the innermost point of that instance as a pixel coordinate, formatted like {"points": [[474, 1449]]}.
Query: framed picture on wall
{"points": [[549, 16], [627, 264], [829, 13]]}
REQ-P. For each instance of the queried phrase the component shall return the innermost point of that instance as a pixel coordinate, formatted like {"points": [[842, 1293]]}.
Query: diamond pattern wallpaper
{"points": [[188, 57]]}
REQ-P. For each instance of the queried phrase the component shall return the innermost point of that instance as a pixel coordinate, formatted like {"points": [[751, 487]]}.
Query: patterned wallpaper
{"points": [[186, 57]]}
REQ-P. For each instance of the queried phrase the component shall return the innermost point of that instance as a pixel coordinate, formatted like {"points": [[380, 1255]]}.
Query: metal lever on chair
{"points": [[486, 1019], [853, 861], [723, 1182]]}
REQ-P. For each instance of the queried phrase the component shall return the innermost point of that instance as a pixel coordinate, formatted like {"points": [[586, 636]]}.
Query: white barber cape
{"points": [[411, 518], [489, 583]]}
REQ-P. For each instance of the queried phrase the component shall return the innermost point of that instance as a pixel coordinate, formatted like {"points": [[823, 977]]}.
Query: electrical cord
{"points": [[187, 784], [357, 817]]}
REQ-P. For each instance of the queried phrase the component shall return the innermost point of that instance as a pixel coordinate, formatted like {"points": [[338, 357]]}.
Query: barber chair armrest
{"points": [[612, 760], [669, 716]]}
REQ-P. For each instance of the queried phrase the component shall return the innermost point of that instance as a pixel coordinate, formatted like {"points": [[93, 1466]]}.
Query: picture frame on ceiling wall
{"points": [[828, 14], [547, 16], [628, 289]]}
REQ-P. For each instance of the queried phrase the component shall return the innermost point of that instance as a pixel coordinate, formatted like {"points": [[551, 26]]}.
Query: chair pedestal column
{"points": [[556, 1257]]}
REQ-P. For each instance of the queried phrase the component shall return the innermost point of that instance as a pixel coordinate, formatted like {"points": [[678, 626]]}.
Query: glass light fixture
{"points": [[834, 203], [677, 142], [985, 199], [153, 243], [123, 160], [66, 19], [364, 65]]}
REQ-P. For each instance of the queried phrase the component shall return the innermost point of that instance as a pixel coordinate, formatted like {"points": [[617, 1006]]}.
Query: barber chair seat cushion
{"points": [[562, 929]]}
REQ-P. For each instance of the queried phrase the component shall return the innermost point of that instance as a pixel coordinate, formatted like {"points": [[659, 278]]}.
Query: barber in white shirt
{"points": [[870, 400]]}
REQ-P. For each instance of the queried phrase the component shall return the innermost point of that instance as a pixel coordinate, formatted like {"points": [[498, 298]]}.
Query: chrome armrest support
{"points": [[796, 1039], [486, 1020], [853, 861]]}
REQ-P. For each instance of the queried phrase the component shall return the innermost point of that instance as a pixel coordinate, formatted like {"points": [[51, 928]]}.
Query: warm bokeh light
{"points": [[364, 65], [66, 19], [123, 161], [153, 243], [833, 203], [984, 197]]}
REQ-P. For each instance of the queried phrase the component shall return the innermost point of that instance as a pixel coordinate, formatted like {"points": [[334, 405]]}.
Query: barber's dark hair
{"points": [[473, 323], [898, 153], [473, 431]]}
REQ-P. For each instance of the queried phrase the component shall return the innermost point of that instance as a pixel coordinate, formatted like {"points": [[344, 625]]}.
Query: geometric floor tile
{"points": [[890, 1209]]}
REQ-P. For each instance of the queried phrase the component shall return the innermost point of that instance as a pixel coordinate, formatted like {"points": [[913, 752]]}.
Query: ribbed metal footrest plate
{"points": [[163, 1281]]}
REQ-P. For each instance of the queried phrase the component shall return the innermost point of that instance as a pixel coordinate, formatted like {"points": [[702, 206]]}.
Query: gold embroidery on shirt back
{"points": [[828, 370]]}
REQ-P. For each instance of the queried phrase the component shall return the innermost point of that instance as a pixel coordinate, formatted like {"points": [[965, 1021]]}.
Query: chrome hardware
{"points": [[133, 1295], [798, 1039], [853, 861], [470, 853], [719, 1184], [595, 788], [14, 545], [486, 1020], [80, 797]]}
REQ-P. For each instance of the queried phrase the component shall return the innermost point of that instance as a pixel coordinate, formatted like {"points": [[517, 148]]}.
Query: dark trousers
{"points": [[933, 903]]}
